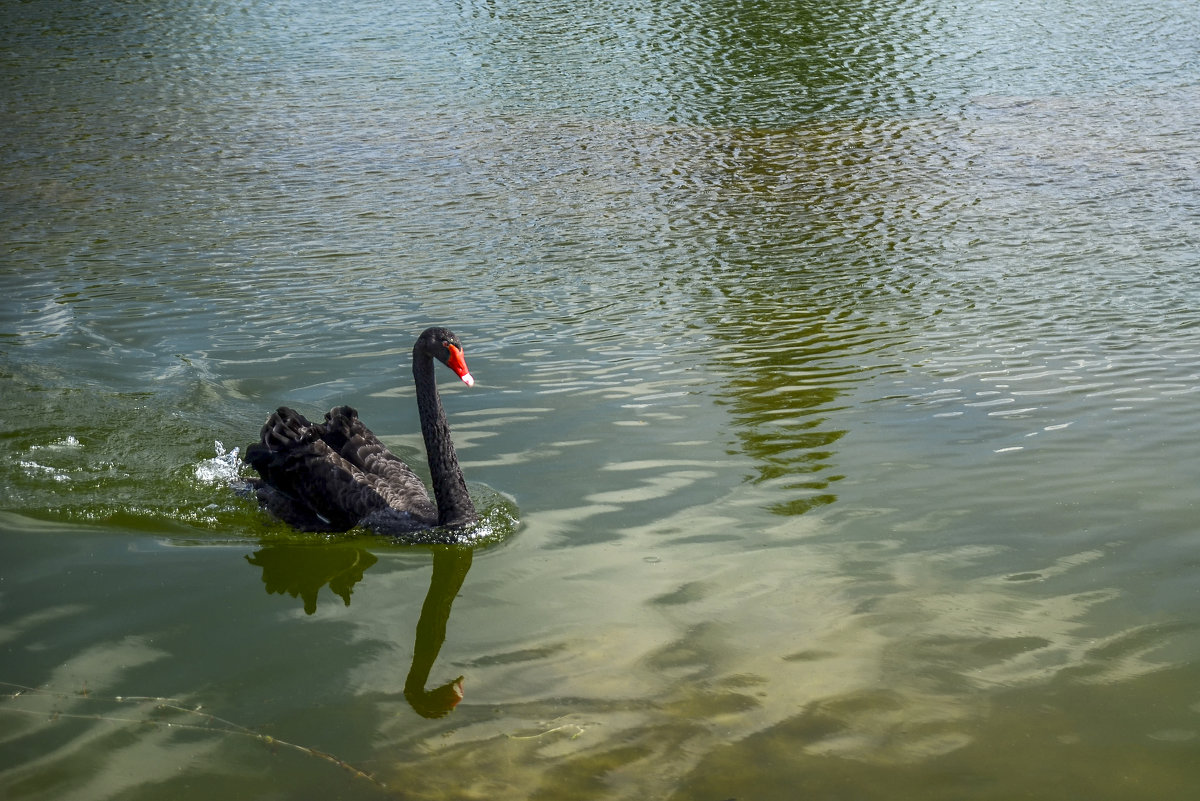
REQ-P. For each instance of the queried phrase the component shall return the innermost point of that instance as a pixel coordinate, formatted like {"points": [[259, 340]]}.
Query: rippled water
{"points": [[837, 360]]}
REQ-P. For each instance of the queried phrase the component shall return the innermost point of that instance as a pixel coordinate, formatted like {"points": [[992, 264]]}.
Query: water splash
{"points": [[224, 468]]}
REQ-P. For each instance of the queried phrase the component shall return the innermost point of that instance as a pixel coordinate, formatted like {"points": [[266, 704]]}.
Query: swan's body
{"points": [[335, 475]]}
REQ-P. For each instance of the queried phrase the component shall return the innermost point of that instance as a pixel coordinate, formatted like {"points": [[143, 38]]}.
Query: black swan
{"points": [[337, 475]]}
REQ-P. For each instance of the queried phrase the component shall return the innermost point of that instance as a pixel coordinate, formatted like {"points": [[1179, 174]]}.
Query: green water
{"points": [[833, 421]]}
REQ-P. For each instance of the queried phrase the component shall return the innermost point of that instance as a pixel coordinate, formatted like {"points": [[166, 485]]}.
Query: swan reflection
{"points": [[302, 570], [450, 566]]}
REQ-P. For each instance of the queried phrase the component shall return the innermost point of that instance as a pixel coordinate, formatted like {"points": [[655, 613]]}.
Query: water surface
{"points": [[837, 360]]}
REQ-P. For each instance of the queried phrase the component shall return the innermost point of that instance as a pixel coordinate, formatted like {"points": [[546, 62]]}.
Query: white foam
{"points": [[221, 469]]}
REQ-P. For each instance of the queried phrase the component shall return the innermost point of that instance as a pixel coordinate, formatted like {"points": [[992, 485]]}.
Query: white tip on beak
{"points": [[468, 380]]}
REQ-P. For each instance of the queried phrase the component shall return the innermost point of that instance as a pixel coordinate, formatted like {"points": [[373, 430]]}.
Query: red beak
{"points": [[458, 364]]}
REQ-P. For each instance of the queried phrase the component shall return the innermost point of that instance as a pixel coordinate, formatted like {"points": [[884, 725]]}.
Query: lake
{"points": [[833, 420]]}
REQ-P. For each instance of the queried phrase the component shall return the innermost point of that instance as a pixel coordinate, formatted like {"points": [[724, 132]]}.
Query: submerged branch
{"points": [[212, 722]]}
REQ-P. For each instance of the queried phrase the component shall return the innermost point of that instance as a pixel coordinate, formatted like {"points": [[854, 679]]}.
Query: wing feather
{"points": [[330, 477]]}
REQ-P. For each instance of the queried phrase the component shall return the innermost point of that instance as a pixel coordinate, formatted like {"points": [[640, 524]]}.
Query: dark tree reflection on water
{"points": [[811, 290]]}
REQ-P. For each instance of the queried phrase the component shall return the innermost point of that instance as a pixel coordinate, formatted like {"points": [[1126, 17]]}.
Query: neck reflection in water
{"points": [[302, 570]]}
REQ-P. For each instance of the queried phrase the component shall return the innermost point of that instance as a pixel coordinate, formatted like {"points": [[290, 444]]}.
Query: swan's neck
{"points": [[449, 488]]}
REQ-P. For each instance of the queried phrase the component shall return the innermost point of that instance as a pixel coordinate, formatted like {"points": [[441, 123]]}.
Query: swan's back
{"points": [[335, 475]]}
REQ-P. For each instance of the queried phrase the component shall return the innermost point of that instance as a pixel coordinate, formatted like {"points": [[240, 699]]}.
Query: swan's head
{"points": [[443, 345]]}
